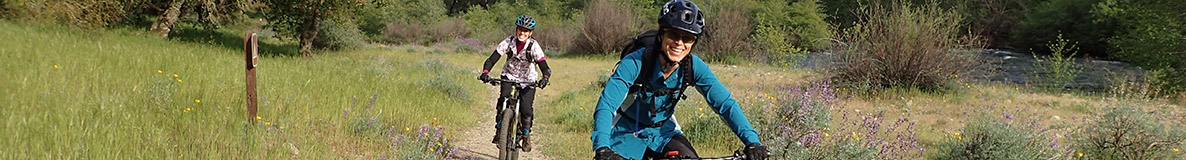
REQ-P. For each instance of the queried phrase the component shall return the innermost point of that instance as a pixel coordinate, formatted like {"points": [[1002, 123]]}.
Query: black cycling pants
{"points": [[526, 97], [678, 143]]}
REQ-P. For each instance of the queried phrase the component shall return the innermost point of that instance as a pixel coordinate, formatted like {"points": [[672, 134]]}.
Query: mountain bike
{"points": [[508, 138]]}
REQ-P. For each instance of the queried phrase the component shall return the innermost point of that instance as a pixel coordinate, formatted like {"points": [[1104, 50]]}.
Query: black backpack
{"points": [[648, 40]]}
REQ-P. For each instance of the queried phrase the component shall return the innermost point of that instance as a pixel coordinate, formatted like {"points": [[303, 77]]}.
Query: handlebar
{"points": [[737, 155], [498, 81]]}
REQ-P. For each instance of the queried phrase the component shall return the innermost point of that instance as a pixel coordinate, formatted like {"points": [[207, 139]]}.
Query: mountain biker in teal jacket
{"points": [[645, 126]]}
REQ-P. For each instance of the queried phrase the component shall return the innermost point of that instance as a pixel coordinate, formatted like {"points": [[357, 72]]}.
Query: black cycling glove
{"points": [[484, 77], [542, 82], [756, 151]]}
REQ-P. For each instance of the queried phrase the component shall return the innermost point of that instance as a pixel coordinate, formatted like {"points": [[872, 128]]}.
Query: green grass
{"points": [[72, 93]]}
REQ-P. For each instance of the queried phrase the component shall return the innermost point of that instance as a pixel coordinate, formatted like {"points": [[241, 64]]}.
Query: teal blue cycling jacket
{"points": [[630, 140]]}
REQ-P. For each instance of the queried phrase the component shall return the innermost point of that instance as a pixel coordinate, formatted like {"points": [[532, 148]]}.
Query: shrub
{"points": [[903, 45], [995, 20], [1057, 69], [727, 34], [1151, 35], [785, 33], [1130, 133], [373, 18], [497, 22], [1069, 17], [82, 13], [606, 27], [338, 36], [557, 37], [448, 29], [807, 24], [996, 138], [403, 32]]}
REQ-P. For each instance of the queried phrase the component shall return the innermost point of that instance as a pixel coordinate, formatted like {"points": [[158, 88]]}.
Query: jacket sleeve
{"points": [[490, 62], [499, 51], [616, 88], [722, 102]]}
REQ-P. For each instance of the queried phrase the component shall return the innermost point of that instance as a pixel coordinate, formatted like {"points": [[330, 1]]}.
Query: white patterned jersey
{"points": [[520, 65]]}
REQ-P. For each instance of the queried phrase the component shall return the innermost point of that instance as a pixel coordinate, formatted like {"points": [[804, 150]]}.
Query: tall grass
{"points": [[71, 93]]}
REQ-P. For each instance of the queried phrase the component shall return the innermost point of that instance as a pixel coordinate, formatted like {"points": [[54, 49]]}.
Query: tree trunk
{"points": [[308, 33], [164, 24]]}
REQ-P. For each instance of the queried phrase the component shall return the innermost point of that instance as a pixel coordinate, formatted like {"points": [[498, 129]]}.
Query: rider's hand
{"points": [[484, 77], [542, 82], [604, 153], [756, 151]]}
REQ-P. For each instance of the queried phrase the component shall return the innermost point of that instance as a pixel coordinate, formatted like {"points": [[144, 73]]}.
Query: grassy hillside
{"points": [[118, 94], [71, 93]]}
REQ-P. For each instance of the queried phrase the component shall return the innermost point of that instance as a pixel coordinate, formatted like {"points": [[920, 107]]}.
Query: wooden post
{"points": [[251, 48]]}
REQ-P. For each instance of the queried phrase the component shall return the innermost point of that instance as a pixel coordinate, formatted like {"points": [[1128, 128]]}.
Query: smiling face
{"points": [[677, 44], [522, 34]]}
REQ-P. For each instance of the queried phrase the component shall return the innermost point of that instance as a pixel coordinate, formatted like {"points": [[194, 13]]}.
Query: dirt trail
{"points": [[476, 141]]}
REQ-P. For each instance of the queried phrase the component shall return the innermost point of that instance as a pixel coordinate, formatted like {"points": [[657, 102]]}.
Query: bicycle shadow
{"points": [[477, 155]]}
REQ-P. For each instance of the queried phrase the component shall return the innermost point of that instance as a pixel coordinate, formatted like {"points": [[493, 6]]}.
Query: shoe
{"points": [[526, 143]]}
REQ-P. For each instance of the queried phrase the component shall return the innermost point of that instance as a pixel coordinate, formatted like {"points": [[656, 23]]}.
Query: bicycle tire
{"points": [[506, 132]]}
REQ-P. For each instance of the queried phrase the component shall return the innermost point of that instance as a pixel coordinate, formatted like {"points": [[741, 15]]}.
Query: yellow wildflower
{"points": [[827, 135], [426, 134], [439, 143], [1176, 150], [55, 66], [175, 75], [197, 101], [1080, 154], [259, 118], [159, 72], [854, 136], [407, 129], [431, 150], [178, 80], [957, 133], [268, 123]]}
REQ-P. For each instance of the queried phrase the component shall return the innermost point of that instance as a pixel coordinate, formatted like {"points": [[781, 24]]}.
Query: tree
{"points": [[293, 17], [210, 13]]}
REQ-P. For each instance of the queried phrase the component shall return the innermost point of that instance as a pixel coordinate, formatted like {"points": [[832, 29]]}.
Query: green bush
{"points": [[1152, 34], [995, 20], [1071, 18], [338, 36], [903, 45], [373, 19], [1057, 69], [493, 24], [994, 138], [807, 24], [1130, 133], [82, 13]]}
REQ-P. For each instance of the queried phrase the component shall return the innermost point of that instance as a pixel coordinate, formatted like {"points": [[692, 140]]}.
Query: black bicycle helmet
{"points": [[683, 15], [526, 22]]}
